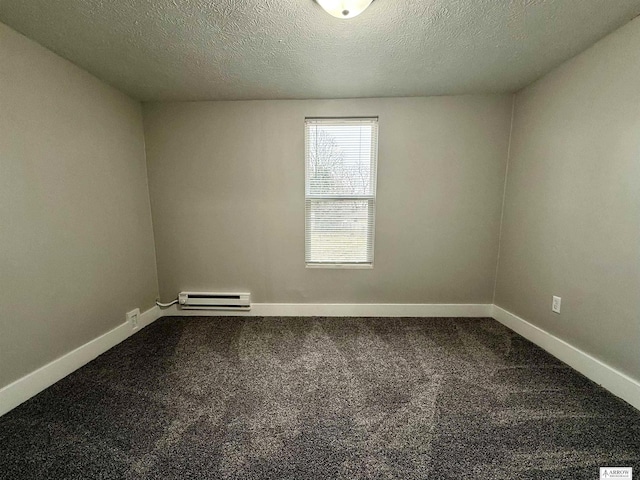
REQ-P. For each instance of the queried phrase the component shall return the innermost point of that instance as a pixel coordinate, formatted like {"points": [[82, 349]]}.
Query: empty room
{"points": [[320, 239]]}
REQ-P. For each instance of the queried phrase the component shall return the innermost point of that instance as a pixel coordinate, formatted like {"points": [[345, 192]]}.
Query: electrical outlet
{"points": [[132, 317], [555, 304]]}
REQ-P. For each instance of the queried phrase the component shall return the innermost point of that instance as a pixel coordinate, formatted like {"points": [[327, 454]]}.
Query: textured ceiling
{"points": [[251, 49]]}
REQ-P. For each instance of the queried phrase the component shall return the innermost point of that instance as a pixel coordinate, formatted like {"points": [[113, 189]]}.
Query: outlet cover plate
{"points": [[555, 304], [132, 317]]}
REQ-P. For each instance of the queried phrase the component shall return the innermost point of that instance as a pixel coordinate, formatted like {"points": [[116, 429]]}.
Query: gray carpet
{"points": [[306, 398]]}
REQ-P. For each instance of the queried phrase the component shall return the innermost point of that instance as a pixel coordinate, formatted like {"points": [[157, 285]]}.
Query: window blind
{"points": [[340, 190]]}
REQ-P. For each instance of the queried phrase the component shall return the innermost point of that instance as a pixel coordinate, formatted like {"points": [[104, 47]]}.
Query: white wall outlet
{"points": [[132, 317], [555, 304]]}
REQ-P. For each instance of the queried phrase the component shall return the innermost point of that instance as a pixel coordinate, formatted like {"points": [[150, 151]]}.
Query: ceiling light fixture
{"points": [[344, 8]]}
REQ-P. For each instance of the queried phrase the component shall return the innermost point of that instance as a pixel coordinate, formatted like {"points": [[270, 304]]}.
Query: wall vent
{"points": [[214, 301]]}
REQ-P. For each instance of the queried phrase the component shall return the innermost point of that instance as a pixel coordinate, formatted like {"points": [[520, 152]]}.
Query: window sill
{"points": [[355, 266]]}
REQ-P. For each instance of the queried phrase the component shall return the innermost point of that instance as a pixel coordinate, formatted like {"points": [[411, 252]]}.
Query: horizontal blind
{"points": [[340, 187]]}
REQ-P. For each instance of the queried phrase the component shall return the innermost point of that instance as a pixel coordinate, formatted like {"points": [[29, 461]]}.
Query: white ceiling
{"points": [[257, 49]]}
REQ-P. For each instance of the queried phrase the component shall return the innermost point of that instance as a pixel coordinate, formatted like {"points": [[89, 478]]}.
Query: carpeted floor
{"points": [[307, 398]]}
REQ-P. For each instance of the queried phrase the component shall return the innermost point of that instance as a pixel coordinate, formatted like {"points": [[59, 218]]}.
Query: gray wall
{"points": [[227, 194], [572, 212], [76, 244]]}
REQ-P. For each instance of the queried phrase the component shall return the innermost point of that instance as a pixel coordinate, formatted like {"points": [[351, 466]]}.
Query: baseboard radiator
{"points": [[214, 301]]}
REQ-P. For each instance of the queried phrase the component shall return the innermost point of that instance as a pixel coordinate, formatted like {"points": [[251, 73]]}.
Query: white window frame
{"points": [[371, 199]]}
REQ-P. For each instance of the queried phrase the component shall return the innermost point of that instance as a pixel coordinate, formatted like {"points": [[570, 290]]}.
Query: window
{"points": [[341, 155]]}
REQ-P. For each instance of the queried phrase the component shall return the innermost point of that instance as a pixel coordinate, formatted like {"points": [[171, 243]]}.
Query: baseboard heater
{"points": [[214, 301]]}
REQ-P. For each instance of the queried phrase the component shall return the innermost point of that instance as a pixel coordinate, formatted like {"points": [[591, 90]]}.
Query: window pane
{"points": [[339, 231], [340, 159]]}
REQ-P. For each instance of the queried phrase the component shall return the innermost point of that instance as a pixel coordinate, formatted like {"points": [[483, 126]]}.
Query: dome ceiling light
{"points": [[344, 8]]}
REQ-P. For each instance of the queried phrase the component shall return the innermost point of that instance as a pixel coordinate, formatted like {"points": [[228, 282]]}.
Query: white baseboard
{"points": [[26, 387], [343, 310], [616, 382]]}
